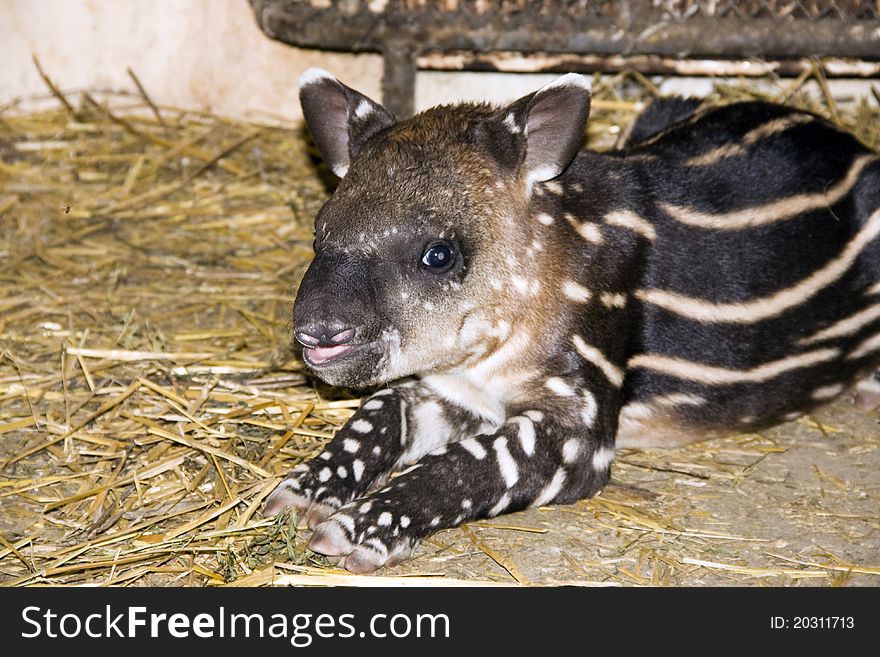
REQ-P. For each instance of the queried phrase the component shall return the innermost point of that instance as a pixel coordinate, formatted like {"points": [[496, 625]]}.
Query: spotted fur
{"points": [[533, 307]]}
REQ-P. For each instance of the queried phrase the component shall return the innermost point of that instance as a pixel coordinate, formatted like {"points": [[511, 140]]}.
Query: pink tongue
{"points": [[320, 355]]}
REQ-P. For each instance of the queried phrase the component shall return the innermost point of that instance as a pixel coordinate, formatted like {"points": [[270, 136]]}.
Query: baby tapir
{"points": [[543, 305]]}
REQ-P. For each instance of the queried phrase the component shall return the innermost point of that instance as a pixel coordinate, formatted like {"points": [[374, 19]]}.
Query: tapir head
{"points": [[416, 249]]}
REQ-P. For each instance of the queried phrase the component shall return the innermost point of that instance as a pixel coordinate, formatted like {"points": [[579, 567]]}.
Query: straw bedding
{"points": [[150, 401]]}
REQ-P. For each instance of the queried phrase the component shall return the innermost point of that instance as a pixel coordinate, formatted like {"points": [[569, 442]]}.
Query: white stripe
{"points": [[631, 221], [589, 409], [570, 450], [506, 464], [500, 505], [827, 392], [709, 374], [865, 347], [750, 312], [403, 427], [846, 326], [781, 210], [552, 489], [526, 432], [592, 355], [473, 446], [560, 387], [871, 384], [749, 139]]}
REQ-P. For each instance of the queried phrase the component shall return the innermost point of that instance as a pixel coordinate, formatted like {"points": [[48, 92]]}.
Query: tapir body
{"points": [[534, 306]]}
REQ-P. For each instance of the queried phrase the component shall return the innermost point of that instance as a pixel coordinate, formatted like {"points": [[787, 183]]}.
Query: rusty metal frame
{"points": [[582, 35]]}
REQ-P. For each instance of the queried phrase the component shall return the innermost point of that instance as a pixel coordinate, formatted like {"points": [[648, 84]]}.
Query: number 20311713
{"points": [[812, 623]]}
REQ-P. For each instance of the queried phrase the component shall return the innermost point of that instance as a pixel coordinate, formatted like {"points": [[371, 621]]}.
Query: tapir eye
{"points": [[438, 257]]}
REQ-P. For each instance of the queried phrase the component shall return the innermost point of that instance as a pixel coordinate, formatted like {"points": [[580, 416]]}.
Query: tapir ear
{"points": [[340, 119], [546, 128]]}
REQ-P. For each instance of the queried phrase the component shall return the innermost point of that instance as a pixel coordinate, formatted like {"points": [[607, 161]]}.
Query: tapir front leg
{"points": [[541, 455], [393, 428]]}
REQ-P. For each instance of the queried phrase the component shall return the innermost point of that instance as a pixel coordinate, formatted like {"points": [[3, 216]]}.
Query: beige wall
{"points": [[202, 54]]}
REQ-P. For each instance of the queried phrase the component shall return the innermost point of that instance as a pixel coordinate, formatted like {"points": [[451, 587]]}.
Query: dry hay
{"points": [[149, 400]]}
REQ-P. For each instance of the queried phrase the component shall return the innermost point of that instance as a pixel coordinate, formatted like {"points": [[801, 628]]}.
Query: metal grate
{"points": [[405, 31]]}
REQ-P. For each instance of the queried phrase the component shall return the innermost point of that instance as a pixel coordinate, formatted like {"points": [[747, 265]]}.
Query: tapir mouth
{"points": [[318, 356]]}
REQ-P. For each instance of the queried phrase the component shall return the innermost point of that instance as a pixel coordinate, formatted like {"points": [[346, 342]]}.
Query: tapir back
{"points": [[757, 297]]}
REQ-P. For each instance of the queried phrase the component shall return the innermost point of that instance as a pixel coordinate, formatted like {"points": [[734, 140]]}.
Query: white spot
{"points": [[576, 292], [551, 186], [526, 432], [384, 519], [570, 450], [602, 458], [466, 504], [377, 450], [358, 469], [350, 445], [589, 409], [792, 416], [506, 464], [324, 475], [521, 284], [373, 404], [361, 426], [363, 109], [558, 386], [404, 521], [544, 218], [511, 124], [473, 446], [342, 472], [588, 230], [325, 456], [435, 521], [365, 507], [613, 300], [534, 416], [552, 489]]}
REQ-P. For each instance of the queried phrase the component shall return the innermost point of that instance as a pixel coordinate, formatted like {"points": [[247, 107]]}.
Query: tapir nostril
{"points": [[342, 336], [321, 335]]}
